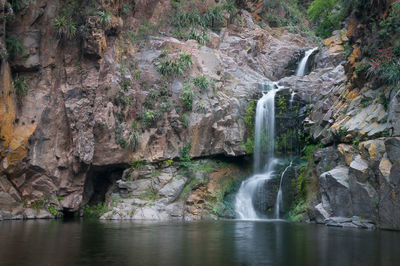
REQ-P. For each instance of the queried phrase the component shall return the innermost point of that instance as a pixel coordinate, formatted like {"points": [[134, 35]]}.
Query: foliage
{"points": [[185, 159], [342, 131], [199, 35], [187, 96], [14, 46], [249, 121], [95, 211], [134, 136], [66, 28], [319, 7], [20, 87], [391, 25], [52, 209], [169, 67], [365, 102], [248, 146], [128, 8], [202, 83], [327, 14], [362, 68], [192, 185], [144, 30], [137, 164], [184, 120], [199, 14], [149, 118], [104, 17], [290, 14], [386, 66], [296, 214]]}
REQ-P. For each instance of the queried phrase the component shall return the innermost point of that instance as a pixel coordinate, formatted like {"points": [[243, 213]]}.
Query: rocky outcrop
{"points": [[173, 192]]}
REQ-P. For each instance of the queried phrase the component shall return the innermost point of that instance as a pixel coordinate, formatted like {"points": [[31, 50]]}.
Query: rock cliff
{"points": [[96, 101]]}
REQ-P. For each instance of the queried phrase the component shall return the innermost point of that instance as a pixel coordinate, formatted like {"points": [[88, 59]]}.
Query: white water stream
{"points": [[301, 68], [264, 160]]}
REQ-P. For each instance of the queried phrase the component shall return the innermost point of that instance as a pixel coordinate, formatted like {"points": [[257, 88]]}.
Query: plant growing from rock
{"points": [[169, 67], [20, 87], [149, 118], [104, 17], [202, 83], [249, 122], [14, 46], [134, 136], [95, 211], [185, 160], [187, 96], [184, 120], [66, 28]]}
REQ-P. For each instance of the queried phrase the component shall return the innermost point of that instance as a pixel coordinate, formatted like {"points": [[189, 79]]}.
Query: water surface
{"points": [[85, 242]]}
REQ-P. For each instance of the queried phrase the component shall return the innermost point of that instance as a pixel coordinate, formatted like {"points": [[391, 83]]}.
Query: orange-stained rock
{"points": [[14, 136]]}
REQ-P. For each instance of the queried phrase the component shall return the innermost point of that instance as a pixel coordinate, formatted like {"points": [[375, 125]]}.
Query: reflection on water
{"points": [[196, 243]]}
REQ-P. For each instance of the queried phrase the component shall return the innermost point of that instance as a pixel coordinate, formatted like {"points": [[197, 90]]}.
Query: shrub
{"points": [[20, 87], [391, 25], [104, 16], [327, 14], [184, 120], [173, 67], [185, 159], [134, 136], [66, 28], [199, 35], [386, 66], [362, 68], [391, 72], [14, 46], [95, 211], [187, 97], [249, 122], [149, 118], [202, 83]]}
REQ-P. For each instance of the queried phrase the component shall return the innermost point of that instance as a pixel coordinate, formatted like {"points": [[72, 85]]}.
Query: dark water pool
{"points": [[195, 243]]}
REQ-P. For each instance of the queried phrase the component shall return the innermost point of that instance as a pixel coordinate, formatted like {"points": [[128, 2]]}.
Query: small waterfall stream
{"points": [[264, 157], [279, 198], [301, 69]]}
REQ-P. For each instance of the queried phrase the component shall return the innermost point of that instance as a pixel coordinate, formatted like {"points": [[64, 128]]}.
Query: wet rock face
{"points": [[84, 96]]}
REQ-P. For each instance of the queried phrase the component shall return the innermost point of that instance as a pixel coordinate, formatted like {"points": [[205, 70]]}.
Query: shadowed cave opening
{"points": [[99, 181]]}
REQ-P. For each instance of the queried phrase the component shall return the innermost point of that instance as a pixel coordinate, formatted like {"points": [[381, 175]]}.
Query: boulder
{"points": [[335, 191]]}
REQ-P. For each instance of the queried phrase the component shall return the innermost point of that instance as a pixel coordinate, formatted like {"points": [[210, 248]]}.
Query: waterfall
{"points": [[301, 69], [264, 161], [279, 198]]}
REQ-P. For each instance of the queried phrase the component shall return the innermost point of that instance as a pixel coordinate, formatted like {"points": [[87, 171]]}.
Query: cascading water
{"points": [[279, 197], [301, 69], [264, 161]]}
